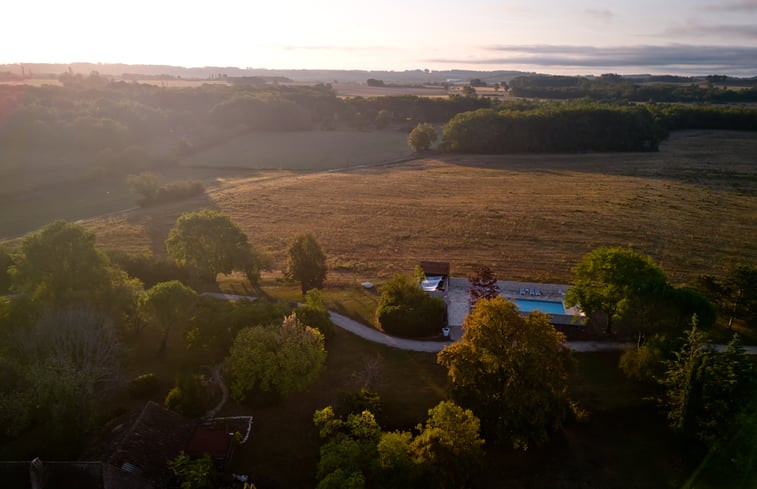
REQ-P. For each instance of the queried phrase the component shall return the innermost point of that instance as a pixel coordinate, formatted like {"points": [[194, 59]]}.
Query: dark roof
{"points": [[215, 443], [156, 437], [435, 268], [57, 475]]}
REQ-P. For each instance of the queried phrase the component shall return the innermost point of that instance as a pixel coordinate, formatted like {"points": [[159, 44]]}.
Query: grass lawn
{"points": [[622, 434], [341, 293], [284, 446]]}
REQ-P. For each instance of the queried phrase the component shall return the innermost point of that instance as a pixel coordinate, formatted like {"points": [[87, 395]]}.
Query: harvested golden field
{"points": [[363, 90], [692, 206]]}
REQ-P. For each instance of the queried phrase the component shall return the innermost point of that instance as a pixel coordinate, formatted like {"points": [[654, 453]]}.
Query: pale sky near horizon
{"points": [[638, 36]]}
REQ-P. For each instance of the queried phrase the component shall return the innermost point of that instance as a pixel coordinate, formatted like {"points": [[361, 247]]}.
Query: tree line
{"points": [[614, 87], [583, 126]]}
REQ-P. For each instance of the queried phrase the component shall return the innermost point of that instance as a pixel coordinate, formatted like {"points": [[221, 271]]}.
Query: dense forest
{"points": [[584, 126]]}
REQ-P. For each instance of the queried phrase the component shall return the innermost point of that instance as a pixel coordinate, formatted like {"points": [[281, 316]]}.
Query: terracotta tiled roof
{"points": [[156, 437]]}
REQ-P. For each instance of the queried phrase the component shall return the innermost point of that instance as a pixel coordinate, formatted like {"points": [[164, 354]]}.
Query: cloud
{"points": [[675, 57], [742, 6], [748, 31], [599, 14]]}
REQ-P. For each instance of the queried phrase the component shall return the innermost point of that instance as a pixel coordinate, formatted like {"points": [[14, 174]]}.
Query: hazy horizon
{"points": [[584, 37]]}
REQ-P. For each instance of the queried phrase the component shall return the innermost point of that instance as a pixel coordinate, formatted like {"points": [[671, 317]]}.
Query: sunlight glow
{"points": [[344, 35]]}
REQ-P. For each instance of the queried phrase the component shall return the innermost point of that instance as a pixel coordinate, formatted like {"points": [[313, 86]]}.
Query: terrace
{"points": [[528, 296]]}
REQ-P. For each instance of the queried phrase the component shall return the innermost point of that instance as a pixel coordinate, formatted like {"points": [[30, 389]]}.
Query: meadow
{"points": [[62, 188], [692, 206], [303, 150]]}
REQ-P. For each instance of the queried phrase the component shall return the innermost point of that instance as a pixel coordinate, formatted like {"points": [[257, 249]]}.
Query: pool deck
{"points": [[457, 297]]}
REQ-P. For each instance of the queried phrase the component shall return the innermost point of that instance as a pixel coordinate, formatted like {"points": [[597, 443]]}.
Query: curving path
{"points": [[376, 336], [371, 334]]}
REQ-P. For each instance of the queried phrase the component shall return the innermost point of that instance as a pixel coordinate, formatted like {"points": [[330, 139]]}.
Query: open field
{"points": [[363, 90], [59, 188], [304, 150], [692, 206]]}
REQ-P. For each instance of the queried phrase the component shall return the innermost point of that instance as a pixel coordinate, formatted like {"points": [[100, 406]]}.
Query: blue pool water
{"points": [[549, 307]]}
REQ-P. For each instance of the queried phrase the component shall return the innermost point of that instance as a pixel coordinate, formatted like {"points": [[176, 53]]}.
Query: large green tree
{"points": [[356, 453], [615, 282], [421, 137], [67, 363], [60, 264], [306, 262], [167, 304], [449, 446], [210, 242], [275, 359], [735, 295], [512, 371]]}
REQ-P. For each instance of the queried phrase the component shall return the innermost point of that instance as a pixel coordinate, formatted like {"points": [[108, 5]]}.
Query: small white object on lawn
{"points": [[367, 285]]}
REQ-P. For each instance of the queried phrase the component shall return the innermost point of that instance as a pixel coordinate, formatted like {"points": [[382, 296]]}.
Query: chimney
{"points": [[37, 474]]}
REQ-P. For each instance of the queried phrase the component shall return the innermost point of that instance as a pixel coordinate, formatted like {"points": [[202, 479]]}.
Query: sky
{"points": [[576, 37]]}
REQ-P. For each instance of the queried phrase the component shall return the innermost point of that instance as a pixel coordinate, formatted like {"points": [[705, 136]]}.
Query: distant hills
{"points": [[135, 72], [210, 72]]}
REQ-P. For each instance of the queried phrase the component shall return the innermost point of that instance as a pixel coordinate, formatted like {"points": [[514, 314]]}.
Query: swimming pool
{"points": [[549, 307]]}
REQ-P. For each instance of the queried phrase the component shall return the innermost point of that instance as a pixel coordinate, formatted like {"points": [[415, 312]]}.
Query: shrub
{"points": [[316, 318], [406, 310], [643, 364], [143, 386], [314, 314], [188, 397], [357, 402], [150, 269]]}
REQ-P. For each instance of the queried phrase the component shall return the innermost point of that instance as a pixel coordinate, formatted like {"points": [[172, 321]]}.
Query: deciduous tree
{"points": [[273, 359], [70, 360], [421, 137], [614, 282], [444, 454], [167, 304], [306, 262], [60, 264], [483, 284], [512, 371], [735, 295], [449, 446], [209, 241]]}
